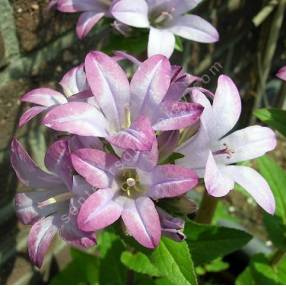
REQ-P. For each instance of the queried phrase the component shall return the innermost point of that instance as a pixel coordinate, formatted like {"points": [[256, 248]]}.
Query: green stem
{"points": [[277, 257], [207, 209]]}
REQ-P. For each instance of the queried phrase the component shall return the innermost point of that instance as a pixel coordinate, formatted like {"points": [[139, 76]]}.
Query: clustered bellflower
{"points": [[118, 134]]}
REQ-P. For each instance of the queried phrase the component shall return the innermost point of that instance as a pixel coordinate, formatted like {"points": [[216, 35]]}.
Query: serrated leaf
{"points": [[174, 261], [139, 262], [276, 230], [276, 178], [275, 118], [208, 242]]}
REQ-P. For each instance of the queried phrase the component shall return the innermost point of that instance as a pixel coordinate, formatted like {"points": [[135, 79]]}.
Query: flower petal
{"points": [[248, 143], [95, 166], [132, 13], [282, 73], [161, 42], [142, 221], [99, 211], [80, 142], [139, 137], [168, 141], [86, 22], [27, 205], [40, 238], [171, 181], [27, 171], [144, 160], [226, 106], [195, 28], [149, 86], [109, 85], [254, 184], [217, 183], [72, 6], [30, 114], [74, 81], [177, 115], [58, 161], [44, 97], [77, 118]]}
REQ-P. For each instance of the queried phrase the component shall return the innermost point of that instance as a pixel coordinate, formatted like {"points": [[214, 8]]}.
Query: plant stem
{"points": [[207, 209], [277, 257], [265, 59]]}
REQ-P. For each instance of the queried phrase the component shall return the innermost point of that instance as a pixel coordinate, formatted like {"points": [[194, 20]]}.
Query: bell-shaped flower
{"points": [[282, 73], [165, 19], [126, 112], [54, 207], [213, 151], [127, 188], [74, 86], [92, 11]]}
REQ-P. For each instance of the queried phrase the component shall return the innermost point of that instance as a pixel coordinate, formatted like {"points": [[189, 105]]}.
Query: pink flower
{"points": [[54, 208], [74, 85], [165, 19], [92, 12], [213, 150], [127, 188], [127, 112], [282, 73]]}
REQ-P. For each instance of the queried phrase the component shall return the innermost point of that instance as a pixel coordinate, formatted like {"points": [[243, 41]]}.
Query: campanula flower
{"points": [[214, 150], [165, 19]]}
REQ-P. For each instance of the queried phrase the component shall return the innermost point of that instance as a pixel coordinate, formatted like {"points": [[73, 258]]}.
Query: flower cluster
{"points": [[164, 18], [115, 134]]}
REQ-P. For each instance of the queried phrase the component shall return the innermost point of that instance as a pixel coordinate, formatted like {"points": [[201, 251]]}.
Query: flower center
{"points": [[128, 181], [160, 18], [224, 151]]}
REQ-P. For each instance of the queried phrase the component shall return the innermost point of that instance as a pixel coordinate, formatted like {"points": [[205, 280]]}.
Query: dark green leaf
{"points": [[276, 230], [139, 262], [259, 272], [208, 242], [174, 261], [112, 271], [275, 118]]}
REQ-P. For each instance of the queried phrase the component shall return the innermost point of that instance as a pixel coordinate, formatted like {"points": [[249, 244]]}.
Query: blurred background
{"points": [[38, 46]]}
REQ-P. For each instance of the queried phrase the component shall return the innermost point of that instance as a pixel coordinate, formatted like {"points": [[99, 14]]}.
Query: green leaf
{"points": [[208, 242], [276, 230], [216, 266], [174, 261], [275, 118], [112, 271], [179, 44], [87, 264], [139, 262], [276, 178], [259, 272]]}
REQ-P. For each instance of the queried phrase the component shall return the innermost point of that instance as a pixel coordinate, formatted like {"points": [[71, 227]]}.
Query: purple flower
{"points": [[74, 85], [127, 188], [282, 73], [172, 227], [54, 208], [125, 114], [213, 151], [92, 12], [165, 19]]}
